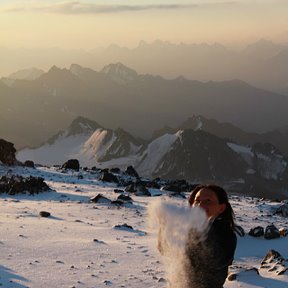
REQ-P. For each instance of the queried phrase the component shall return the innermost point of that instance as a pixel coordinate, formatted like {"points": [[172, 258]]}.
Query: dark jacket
{"points": [[208, 258]]}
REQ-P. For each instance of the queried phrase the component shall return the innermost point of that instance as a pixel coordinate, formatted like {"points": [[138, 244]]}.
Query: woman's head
{"points": [[214, 200]]}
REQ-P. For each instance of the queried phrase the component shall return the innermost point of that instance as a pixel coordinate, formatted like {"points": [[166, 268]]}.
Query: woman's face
{"points": [[207, 200]]}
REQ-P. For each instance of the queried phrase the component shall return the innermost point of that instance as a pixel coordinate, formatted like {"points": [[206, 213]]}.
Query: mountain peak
{"points": [[27, 74], [82, 125], [119, 72]]}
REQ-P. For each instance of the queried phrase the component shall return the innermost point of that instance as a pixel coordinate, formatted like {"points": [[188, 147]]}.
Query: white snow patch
{"points": [[155, 151]]}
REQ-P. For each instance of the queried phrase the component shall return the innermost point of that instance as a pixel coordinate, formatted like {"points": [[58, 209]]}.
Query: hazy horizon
{"points": [[89, 24]]}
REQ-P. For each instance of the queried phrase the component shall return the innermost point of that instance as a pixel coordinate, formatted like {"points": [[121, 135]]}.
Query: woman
{"points": [[207, 261]]}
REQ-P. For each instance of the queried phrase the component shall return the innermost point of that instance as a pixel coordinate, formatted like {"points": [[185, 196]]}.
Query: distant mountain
{"points": [[257, 64], [85, 140], [194, 155], [277, 137], [119, 97], [62, 146], [119, 73], [27, 74]]}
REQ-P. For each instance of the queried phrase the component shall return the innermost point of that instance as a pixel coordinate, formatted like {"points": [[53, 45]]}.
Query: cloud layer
{"points": [[77, 7]]}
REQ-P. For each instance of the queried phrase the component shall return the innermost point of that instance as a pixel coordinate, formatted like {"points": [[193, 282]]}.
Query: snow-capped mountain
{"points": [[87, 141], [106, 146], [193, 155], [278, 137], [264, 160], [63, 146]]}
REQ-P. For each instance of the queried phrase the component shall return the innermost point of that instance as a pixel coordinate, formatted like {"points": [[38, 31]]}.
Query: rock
{"points": [[239, 231], [271, 256], [29, 164], [72, 164], [271, 232], [130, 188], [257, 231], [283, 232], [20, 185], [123, 226], [7, 153], [118, 191], [115, 170], [99, 198], [44, 214], [131, 172], [282, 210], [125, 198], [232, 277], [108, 177]]}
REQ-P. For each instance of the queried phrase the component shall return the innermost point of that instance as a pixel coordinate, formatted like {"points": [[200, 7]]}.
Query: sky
{"points": [[89, 24]]}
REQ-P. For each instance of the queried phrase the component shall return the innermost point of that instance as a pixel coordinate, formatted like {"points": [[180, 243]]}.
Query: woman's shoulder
{"points": [[222, 228]]}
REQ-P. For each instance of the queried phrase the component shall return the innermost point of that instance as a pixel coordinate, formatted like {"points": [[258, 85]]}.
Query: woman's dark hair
{"points": [[222, 197]]}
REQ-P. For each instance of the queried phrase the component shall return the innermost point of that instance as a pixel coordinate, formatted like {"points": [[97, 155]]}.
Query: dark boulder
{"points": [[108, 177], [115, 170], [239, 230], [21, 185], [7, 153], [271, 232], [130, 188], [282, 210], [29, 164], [44, 214], [99, 198], [125, 198], [257, 231], [72, 164], [130, 170]]}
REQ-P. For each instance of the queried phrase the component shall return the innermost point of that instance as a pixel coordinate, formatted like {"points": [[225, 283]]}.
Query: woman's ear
{"points": [[222, 208]]}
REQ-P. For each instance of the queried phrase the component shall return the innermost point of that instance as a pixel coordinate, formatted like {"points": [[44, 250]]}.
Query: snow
{"points": [[56, 153], [154, 153], [78, 245]]}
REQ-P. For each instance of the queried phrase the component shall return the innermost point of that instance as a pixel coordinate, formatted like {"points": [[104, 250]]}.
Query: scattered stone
{"points": [[257, 231], [283, 232], [44, 214], [130, 170], [123, 226], [108, 177], [115, 170], [99, 198], [119, 191], [232, 277], [271, 256], [125, 198], [29, 164], [271, 232], [282, 210], [239, 231], [7, 153], [16, 184], [72, 164], [117, 202]]}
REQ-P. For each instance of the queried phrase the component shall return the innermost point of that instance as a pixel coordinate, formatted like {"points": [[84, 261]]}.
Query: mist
{"points": [[261, 63]]}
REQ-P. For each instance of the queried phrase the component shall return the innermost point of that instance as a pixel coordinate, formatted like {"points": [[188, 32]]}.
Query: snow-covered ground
{"points": [[79, 245]]}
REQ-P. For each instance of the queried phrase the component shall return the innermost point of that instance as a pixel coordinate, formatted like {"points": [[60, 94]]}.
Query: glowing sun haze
{"points": [[89, 24]]}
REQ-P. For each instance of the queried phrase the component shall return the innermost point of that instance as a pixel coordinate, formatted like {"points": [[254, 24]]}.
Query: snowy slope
{"points": [[79, 245]]}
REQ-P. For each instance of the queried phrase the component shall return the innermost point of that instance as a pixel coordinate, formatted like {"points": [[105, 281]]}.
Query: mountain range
{"points": [[117, 96], [192, 154]]}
